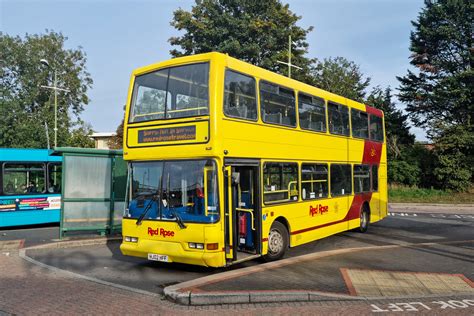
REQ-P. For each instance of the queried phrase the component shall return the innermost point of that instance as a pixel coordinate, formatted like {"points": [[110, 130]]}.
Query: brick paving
{"points": [[27, 289]]}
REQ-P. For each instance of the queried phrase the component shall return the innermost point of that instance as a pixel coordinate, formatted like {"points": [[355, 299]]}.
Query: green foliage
{"points": [[26, 109], [80, 136], [397, 127], [253, 31], [340, 76], [454, 151], [441, 46], [439, 96], [407, 194], [404, 172], [116, 142]]}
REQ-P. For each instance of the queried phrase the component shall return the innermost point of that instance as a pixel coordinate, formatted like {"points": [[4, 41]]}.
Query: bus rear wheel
{"points": [[278, 241], [364, 219]]}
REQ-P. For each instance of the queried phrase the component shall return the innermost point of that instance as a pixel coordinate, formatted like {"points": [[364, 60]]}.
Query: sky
{"points": [[119, 36]]}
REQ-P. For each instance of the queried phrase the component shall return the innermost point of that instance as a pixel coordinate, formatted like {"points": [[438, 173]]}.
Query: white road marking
{"points": [[419, 306]]}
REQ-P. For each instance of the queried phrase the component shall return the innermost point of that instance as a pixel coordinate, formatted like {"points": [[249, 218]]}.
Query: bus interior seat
{"points": [[273, 118], [286, 121], [246, 198]]}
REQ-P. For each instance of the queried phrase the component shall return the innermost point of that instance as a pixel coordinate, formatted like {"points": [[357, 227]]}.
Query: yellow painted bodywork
{"points": [[237, 138]]}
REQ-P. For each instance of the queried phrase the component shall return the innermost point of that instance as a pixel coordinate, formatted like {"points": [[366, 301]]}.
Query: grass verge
{"points": [[400, 194]]}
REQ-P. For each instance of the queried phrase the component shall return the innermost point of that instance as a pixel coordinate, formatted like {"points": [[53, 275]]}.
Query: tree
{"points": [[340, 76], [439, 95], [397, 127], [253, 31], [116, 142], [442, 51], [80, 136], [454, 151], [26, 109]]}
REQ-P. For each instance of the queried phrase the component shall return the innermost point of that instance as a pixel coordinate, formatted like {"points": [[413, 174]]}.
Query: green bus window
{"points": [[376, 128], [277, 104], [360, 124], [312, 113], [54, 177], [375, 178], [24, 178], [361, 178], [338, 119], [314, 181], [280, 182], [240, 96], [341, 180]]}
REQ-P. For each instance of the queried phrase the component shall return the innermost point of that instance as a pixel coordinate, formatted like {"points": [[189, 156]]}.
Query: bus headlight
{"points": [[131, 239], [195, 245]]}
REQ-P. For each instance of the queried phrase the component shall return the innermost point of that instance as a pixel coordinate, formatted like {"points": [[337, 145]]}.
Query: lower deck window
{"points": [[24, 178], [341, 180], [375, 178], [361, 178], [314, 181], [280, 182]]}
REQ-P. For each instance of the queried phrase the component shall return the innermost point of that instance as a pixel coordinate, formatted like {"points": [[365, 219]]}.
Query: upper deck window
{"points": [[312, 113], [338, 119], [360, 124], [239, 96], [277, 104], [169, 93], [376, 128]]}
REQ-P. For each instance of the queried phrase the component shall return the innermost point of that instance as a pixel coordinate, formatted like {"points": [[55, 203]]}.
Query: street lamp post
{"points": [[55, 88], [289, 64]]}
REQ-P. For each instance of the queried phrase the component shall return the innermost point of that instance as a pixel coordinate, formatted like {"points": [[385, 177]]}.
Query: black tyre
{"points": [[364, 219], [278, 241]]}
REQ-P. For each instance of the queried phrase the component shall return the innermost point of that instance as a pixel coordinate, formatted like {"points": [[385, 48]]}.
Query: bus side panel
{"points": [[20, 218], [383, 190]]}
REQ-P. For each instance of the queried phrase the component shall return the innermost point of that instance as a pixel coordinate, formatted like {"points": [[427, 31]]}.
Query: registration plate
{"points": [[157, 257]]}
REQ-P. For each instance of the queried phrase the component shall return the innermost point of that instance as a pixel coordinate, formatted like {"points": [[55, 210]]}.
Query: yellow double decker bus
{"points": [[229, 162]]}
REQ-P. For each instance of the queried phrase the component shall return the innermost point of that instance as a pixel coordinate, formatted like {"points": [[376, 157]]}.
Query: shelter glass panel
{"points": [[87, 177]]}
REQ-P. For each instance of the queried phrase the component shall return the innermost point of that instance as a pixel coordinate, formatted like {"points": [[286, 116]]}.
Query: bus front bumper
{"points": [[174, 251]]}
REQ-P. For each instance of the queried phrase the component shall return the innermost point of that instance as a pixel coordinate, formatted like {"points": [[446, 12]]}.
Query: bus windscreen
{"points": [[170, 189]]}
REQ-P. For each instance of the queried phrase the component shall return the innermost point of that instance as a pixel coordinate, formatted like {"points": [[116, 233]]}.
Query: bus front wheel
{"points": [[278, 241], [364, 219]]}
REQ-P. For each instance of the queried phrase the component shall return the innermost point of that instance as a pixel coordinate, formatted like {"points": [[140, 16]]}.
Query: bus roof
{"points": [[260, 72], [27, 155]]}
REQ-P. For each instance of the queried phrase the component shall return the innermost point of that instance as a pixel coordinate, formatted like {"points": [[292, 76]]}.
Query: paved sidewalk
{"points": [[431, 208], [27, 289]]}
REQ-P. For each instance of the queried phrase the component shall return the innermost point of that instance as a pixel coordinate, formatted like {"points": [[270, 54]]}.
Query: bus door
{"points": [[243, 224]]}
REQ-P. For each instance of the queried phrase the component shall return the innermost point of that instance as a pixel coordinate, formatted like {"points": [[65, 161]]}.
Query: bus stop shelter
{"points": [[93, 190]]}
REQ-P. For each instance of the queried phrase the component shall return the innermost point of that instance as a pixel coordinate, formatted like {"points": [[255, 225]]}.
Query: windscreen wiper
{"points": [[179, 220], [145, 211]]}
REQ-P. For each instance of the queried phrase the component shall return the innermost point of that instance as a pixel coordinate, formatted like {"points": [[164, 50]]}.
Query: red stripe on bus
{"points": [[264, 239], [373, 111], [354, 213], [372, 152]]}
